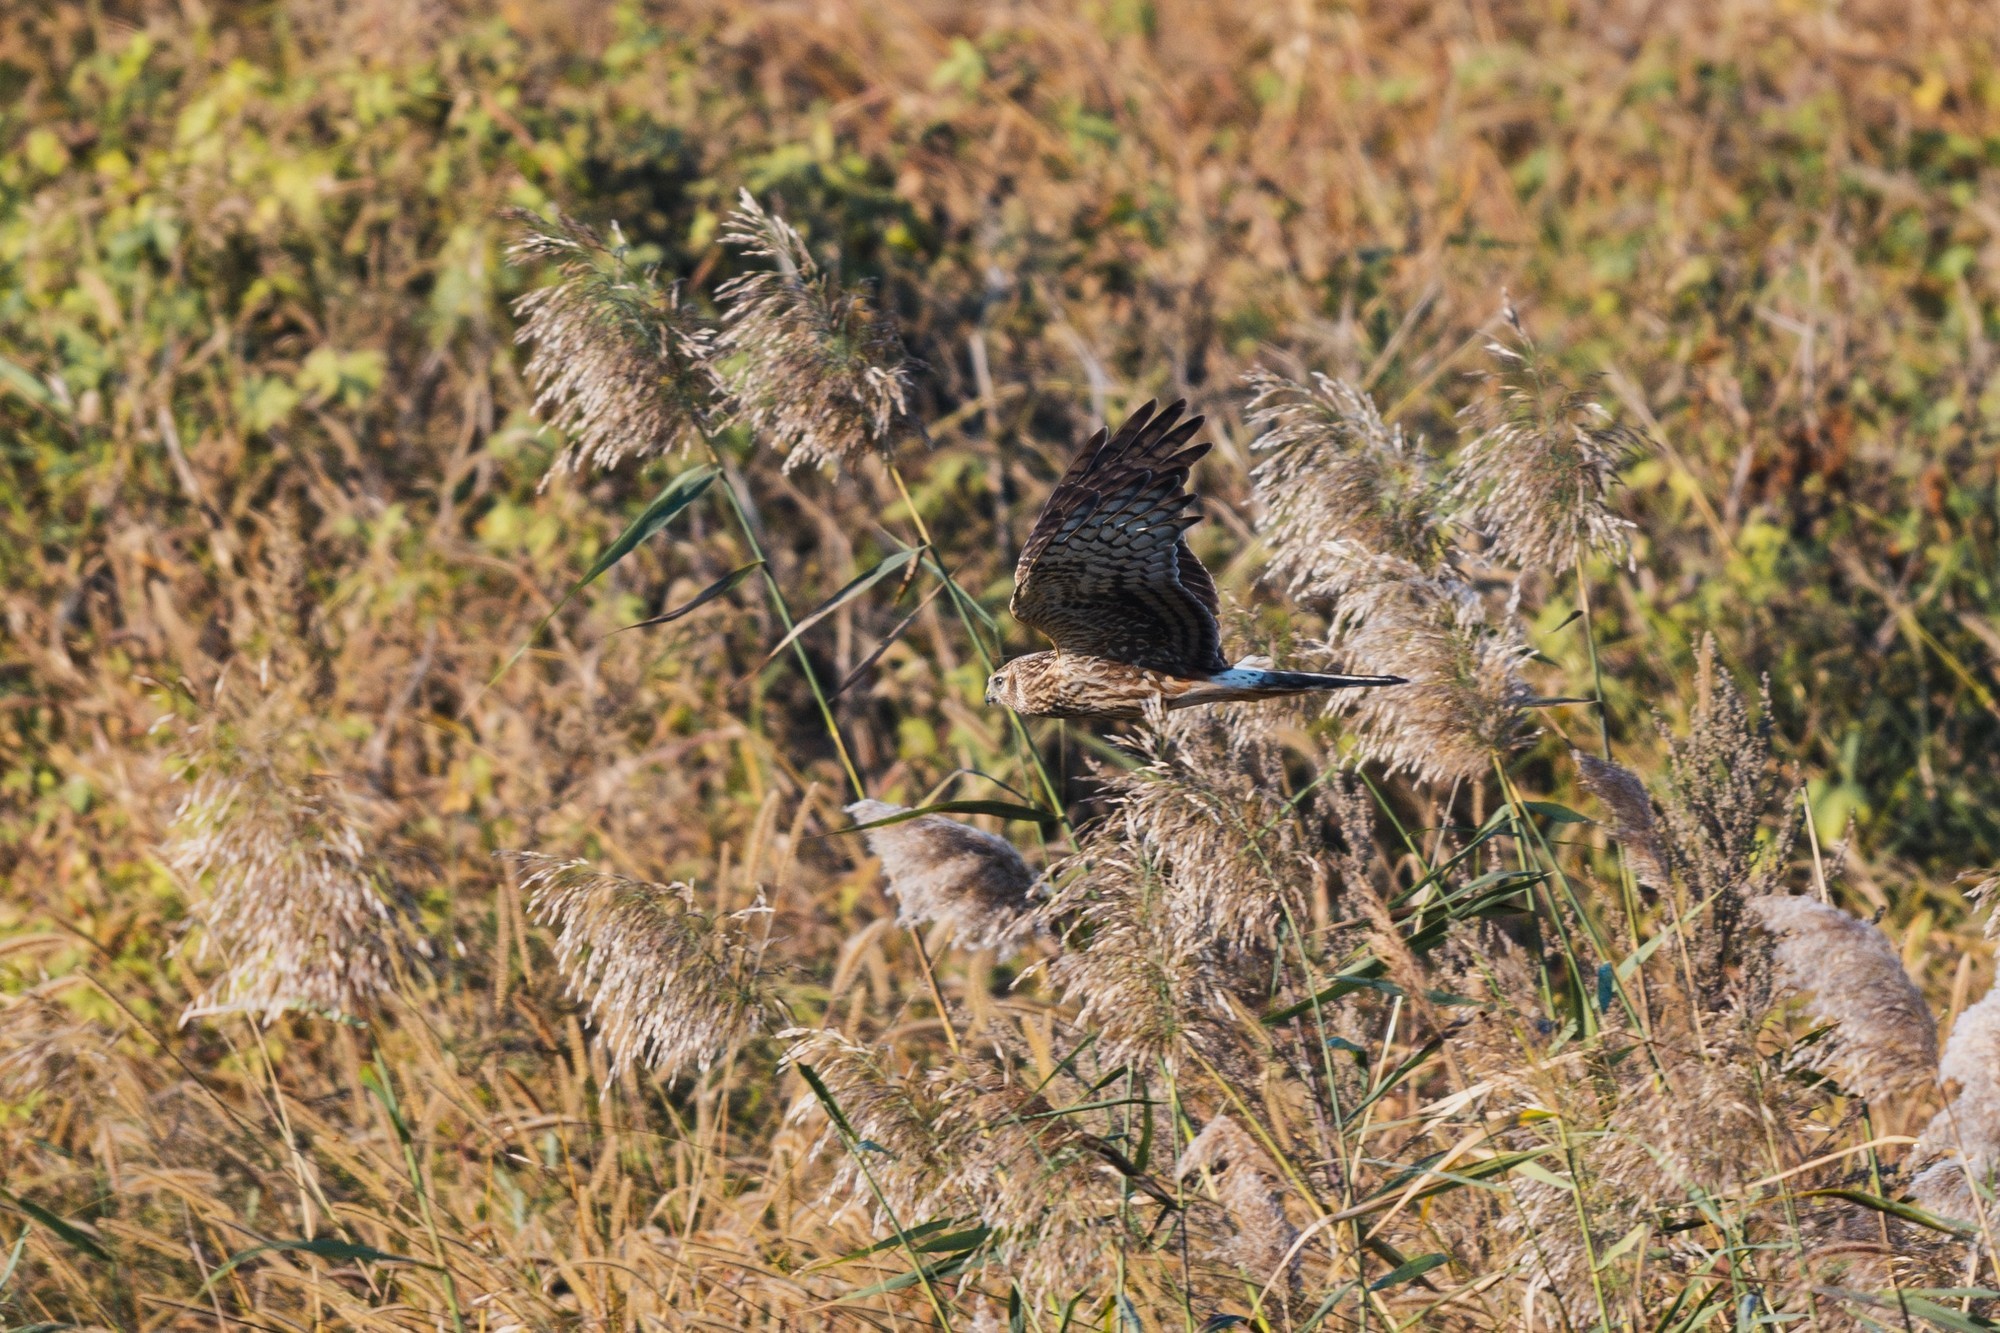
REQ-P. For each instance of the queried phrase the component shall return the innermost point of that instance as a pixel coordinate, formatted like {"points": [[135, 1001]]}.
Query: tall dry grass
{"points": [[400, 933]]}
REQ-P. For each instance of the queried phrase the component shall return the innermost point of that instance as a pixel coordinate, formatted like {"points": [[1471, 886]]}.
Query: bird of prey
{"points": [[1107, 575]]}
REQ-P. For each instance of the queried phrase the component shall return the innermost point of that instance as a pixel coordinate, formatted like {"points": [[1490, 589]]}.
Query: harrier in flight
{"points": [[1109, 577]]}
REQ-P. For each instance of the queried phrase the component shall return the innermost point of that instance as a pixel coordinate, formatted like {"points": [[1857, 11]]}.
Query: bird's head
{"points": [[1008, 685]]}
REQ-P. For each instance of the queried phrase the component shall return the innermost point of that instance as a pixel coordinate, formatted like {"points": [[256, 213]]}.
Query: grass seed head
{"points": [[1537, 477], [1260, 1238], [816, 368], [1632, 821], [1885, 1039], [942, 870], [1961, 1144], [1721, 789], [1465, 698], [289, 894], [1341, 490], [620, 361], [668, 986]]}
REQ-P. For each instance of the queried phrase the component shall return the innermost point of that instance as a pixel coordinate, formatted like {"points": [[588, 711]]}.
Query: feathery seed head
{"points": [[942, 870], [1981, 894], [1631, 807], [1260, 1238], [667, 986], [1179, 891], [1721, 786], [620, 360], [1537, 477], [289, 896], [1464, 703], [816, 367], [45, 1049], [1963, 1139], [1341, 489], [1206, 806], [969, 1141], [1885, 1040]]}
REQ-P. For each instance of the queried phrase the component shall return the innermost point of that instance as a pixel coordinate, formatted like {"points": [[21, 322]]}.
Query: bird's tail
{"points": [[1249, 679], [1300, 682]]}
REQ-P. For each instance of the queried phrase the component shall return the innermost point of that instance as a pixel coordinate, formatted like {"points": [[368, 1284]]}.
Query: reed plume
{"points": [[1536, 478], [1884, 1040], [970, 1142], [45, 1048], [1464, 704], [1151, 990], [1721, 788], [1342, 493], [1354, 510], [940, 870], [289, 895], [1175, 898], [1633, 824], [667, 986], [1258, 1238], [1959, 1149], [815, 367], [620, 360]]}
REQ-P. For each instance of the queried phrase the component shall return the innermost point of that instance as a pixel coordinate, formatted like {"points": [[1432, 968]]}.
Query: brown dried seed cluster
{"points": [[970, 1141], [620, 361], [289, 898], [1537, 477], [940, 870], [1632, 821], [669, 987], [1356, 511], [1885, 1041], [815, 368], [1260, 1239], [1341, 490]]}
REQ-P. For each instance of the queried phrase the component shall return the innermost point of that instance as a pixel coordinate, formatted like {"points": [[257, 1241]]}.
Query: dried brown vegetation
{"points": [[436, 693]]}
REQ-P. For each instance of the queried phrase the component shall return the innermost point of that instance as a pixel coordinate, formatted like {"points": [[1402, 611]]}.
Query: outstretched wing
{"points": [[1106, 571]]}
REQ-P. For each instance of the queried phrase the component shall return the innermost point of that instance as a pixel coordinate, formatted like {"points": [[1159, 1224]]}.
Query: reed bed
{"points": [[510, 517]]}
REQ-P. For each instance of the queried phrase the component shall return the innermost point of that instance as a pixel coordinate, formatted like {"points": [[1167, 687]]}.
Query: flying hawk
{"points": [[1109, 577]]}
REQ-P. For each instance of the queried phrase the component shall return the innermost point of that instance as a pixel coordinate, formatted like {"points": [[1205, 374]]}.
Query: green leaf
{"points": [[998, 809], [1344, 984], [1560, 814], [889, 565], [75, 1236], [13, 1261], [677, 495], [1325, 1307], [25, 384], [928, 1273], [1901, 1302], [1624, 1246], [326, 1247], [1416, 1268], [1446, 1181], [376, 1080], [702, 598], [1637, 958], [833, 1111], [1400, 1072], [924, 1237], [1536, 1171], [1908, 1212]]}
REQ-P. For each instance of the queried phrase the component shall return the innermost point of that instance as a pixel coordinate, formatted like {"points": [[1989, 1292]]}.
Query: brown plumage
{"points": [[1107, 575]]}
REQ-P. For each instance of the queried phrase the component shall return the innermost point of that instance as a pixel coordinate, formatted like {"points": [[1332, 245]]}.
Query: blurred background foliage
{"points": [[260, 400], [252, 267]]}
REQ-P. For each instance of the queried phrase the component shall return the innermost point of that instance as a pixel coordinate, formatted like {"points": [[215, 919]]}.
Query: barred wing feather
{"points": [[1106, 572]]}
